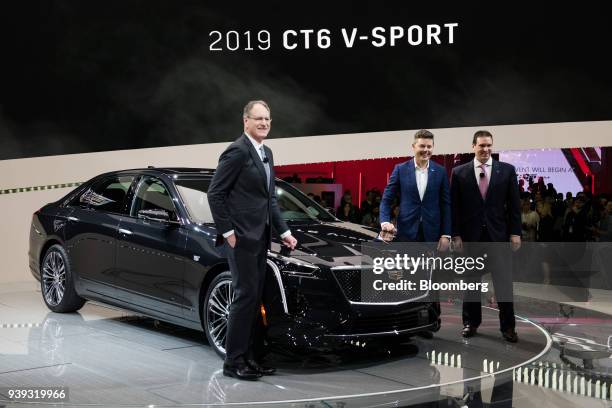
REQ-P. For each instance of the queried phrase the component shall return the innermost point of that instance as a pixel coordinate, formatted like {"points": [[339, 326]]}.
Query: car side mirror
{"points": [[156, 215]]}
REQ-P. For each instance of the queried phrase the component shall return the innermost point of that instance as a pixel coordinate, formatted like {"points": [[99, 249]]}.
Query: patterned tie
{"points": [[266, 165], [483, 181]]}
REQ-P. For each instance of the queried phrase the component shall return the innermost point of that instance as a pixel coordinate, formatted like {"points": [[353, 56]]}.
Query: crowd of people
{"points": [[547, 215], [368, 214]]}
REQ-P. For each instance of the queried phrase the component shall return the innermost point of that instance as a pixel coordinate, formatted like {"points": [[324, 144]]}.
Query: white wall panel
{"points": [[16, 209]]}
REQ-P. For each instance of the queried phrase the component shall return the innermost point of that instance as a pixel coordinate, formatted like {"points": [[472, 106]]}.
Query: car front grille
{"points": [[378, 324], [356, 284]]}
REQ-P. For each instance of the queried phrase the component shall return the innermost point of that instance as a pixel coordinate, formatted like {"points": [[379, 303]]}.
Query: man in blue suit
{"points": [[487, 208], [425, 212], [422, 186]]}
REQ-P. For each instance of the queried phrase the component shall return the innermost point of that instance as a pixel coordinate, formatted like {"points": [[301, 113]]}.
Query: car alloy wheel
{"points": [[218, 300], [56, 282], [53, 278]]}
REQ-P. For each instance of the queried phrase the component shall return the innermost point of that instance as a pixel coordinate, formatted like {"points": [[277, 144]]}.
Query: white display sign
{"points": [[550, 164]]}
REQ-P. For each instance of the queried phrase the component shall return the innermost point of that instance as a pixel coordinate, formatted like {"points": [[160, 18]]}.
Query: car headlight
{"points": [[293, 267]]}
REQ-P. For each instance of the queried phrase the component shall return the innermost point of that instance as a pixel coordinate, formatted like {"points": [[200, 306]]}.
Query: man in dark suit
{"points": [[243, 203], [486, 208], [425, 214]]}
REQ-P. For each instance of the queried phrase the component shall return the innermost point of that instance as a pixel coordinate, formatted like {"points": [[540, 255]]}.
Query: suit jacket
{"points": [[500, 211], [239, 198], [434, 210]]}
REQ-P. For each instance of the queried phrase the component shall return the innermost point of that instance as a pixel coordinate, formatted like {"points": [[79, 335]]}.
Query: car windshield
{"points": [[293, 204]]}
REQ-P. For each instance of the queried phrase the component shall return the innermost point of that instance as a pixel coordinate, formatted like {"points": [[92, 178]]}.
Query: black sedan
{"points": [[144, 240]]}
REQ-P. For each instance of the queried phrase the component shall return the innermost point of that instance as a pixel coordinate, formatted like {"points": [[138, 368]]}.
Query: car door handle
{"points": [[125, 231]]}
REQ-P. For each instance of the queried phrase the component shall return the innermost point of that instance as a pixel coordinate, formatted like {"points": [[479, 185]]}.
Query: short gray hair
{"points": [[250, 104]]}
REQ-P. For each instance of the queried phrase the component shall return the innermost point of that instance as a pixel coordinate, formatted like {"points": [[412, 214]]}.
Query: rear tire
{"points": [[215, 311], [57, 283]]}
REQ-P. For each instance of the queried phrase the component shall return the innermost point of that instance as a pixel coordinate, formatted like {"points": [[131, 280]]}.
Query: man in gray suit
{"points": [[243, 202]]}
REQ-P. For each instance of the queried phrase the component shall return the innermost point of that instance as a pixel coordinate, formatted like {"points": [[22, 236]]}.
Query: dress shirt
{"points": [[487, 168], [421, 178], [257, 145]]}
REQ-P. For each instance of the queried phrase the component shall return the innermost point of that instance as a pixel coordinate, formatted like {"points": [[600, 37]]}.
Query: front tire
{"points": [[215, 311], [56, 282]]}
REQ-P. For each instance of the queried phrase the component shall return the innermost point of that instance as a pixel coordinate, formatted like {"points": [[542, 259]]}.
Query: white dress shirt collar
{"points": [[254, 142], [487, 169], [477, 163], [416, 165]]}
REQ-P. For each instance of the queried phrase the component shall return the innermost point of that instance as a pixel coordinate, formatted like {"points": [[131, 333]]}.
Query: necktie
{"points": [[483, 181], [266, 165]]}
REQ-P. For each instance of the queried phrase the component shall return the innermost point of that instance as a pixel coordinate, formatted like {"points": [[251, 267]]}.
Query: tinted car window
{"points": [[152, 194], [108, 194], [193, 193], [293, 204]]}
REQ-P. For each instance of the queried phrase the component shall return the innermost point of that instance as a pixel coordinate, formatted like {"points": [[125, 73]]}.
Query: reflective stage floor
{"points": [[111, 357]]}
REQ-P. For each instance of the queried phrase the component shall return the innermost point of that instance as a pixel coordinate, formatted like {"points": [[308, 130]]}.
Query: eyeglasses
{"points": [[260, 119]]}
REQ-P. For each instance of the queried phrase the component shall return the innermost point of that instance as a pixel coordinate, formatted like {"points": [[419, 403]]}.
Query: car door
{"points": [[91, 232], [150, 252]]}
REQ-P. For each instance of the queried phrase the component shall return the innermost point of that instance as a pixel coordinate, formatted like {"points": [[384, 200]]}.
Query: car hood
{"points": [[330, 243]]}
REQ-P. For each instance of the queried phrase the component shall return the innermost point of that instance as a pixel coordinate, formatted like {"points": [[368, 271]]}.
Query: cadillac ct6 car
{"points": [[144, 240]]}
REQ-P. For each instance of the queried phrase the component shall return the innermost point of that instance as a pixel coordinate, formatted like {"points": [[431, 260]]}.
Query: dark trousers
{"points": [[248, 270], [421, 238], [501, 273]]}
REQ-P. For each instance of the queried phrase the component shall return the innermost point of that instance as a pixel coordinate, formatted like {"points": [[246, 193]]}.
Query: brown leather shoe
{"points": [[468, 331], [510, 336]]}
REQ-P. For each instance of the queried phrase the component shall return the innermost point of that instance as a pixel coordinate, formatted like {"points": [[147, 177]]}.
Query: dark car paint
{"points": [[162, 269], [150, 261]]}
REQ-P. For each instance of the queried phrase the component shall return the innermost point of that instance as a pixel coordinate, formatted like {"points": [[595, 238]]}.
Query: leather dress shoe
{"points": [[263, 370], [468, 331], [241, 371], [510, 336]]}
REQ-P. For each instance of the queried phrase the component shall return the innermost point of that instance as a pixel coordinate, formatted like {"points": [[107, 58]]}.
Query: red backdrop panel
{"points": [[353, 174]]}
